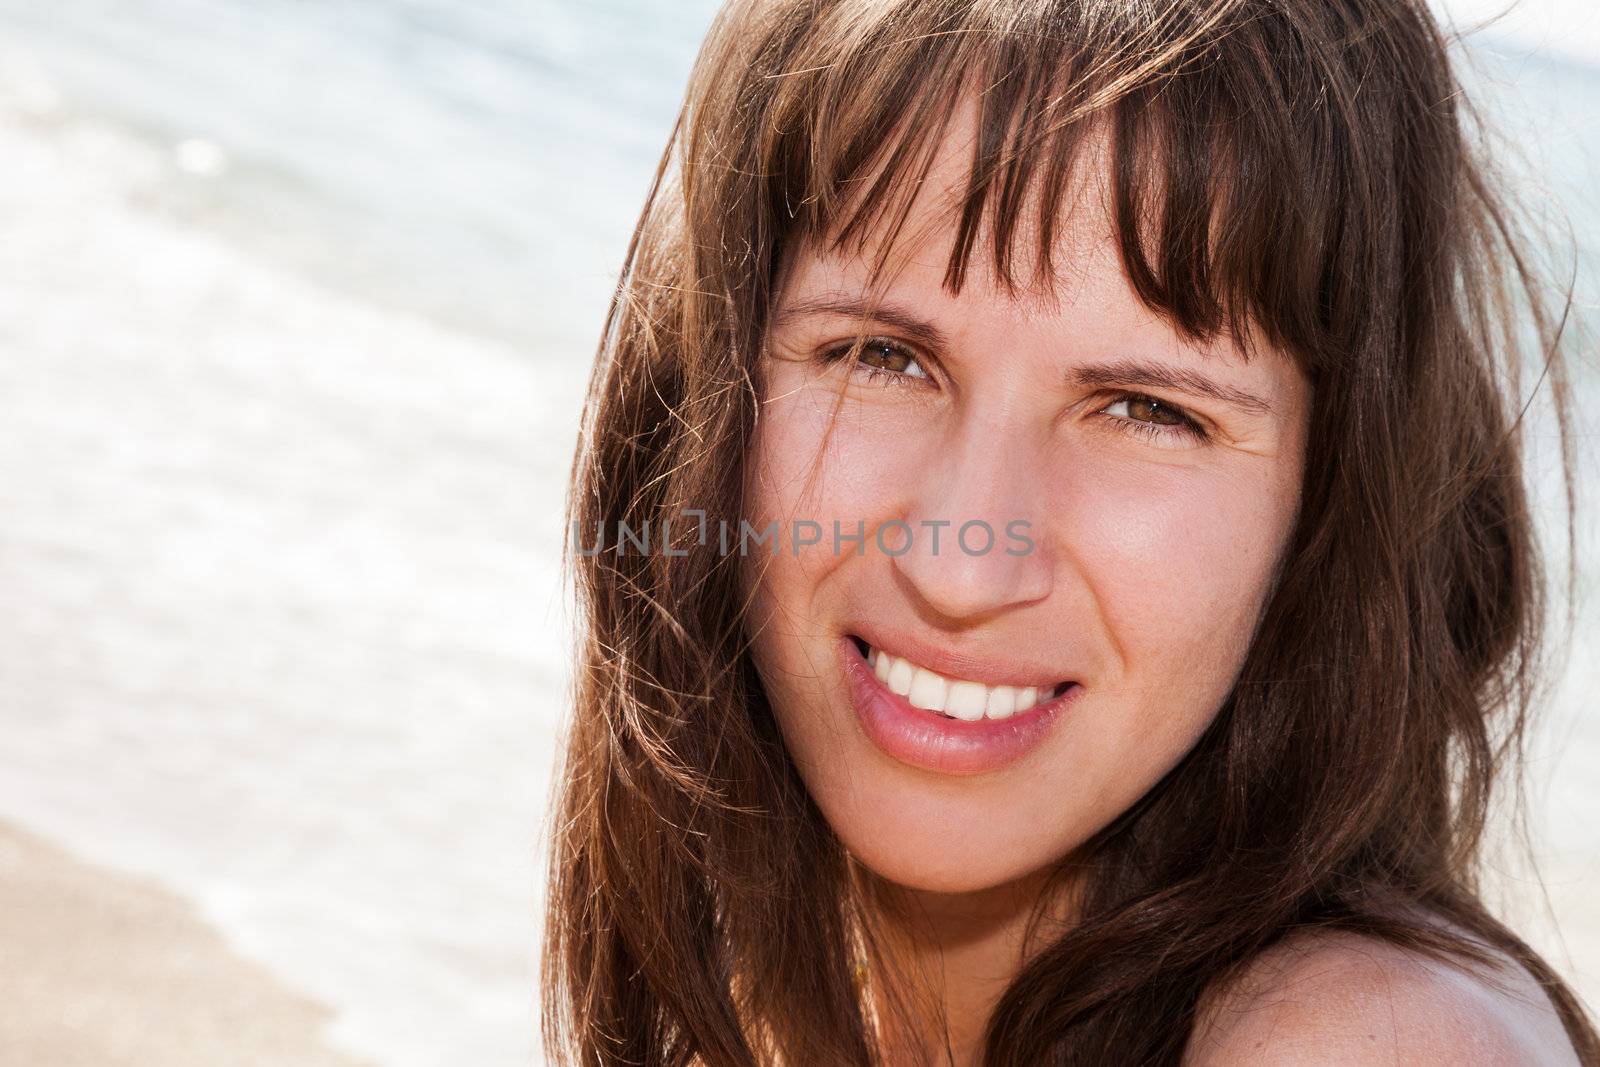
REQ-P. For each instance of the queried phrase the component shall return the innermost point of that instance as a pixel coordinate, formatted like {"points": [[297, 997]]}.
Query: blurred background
{"points": [[297, 300]]}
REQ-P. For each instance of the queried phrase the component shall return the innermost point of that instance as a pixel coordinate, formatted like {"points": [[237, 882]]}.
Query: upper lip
{"points": [[960, 664]]}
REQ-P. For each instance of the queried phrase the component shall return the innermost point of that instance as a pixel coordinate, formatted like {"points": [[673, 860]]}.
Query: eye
{"points": [[882, 360], [1150, 417]]}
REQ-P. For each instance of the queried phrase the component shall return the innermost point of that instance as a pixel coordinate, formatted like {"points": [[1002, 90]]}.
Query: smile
{"points": [[954, 698], [934, 739]]}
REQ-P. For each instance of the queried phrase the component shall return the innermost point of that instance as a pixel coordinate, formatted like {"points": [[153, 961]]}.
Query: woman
{"points": [[1189, 327]]}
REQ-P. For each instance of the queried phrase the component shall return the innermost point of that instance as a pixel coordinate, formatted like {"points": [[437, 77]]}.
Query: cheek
{"points": [[1176, 564], [820, 460], [796, 474], [1178, 561], [810, 464]]}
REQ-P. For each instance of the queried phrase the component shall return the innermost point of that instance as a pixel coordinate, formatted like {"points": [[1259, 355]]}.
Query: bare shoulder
{"points": [[1342, 998]]}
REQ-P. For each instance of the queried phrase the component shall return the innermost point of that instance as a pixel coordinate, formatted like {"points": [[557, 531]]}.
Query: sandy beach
{"points": [[98, 970]]}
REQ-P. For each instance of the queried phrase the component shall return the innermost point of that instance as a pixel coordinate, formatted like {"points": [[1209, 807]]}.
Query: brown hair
{"points": [[1308, 167]]}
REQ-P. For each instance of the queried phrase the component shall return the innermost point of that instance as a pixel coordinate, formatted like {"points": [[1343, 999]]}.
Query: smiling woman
{"points": [[1154, 372], [1160, 479]]}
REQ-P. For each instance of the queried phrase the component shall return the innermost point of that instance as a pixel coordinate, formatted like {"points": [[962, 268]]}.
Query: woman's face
{"points": [[1139, 491]]}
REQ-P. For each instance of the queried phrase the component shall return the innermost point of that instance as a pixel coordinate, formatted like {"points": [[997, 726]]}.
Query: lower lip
{"points": [[928, 740]]}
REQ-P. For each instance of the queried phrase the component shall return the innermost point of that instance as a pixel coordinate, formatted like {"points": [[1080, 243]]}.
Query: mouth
{"points": [[964, 699], [949, 726]]}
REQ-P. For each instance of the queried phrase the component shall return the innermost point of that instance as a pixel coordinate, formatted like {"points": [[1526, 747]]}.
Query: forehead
{"points": [[906, 257]]}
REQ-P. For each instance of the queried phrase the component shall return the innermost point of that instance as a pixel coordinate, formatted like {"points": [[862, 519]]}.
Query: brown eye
{"points": [[883, 360], [1149, 409], [1152, 418], [883, 355]]}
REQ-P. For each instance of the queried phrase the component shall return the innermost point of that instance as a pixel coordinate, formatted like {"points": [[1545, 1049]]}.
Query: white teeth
{"points": [[1002, 702], [927, 690], [954, 697], [900, 672], [966, 700]]}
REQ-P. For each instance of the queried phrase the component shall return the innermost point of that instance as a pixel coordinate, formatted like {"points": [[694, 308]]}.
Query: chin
{"points": [[931, 859], [926, 875], [942, 874]]}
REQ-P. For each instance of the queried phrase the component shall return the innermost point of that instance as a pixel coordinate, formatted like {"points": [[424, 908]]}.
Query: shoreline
{"points": [[102, 969]]}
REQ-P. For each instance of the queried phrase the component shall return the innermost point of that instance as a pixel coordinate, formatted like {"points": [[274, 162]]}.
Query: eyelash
{"points": [[1187, 428], [875, 374]]}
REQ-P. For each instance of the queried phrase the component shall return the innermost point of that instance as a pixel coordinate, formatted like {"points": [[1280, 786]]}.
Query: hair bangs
{"points": [[1213, 204]]}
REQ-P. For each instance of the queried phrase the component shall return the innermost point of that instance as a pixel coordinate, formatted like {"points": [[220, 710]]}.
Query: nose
{"points": [[977, 546]]}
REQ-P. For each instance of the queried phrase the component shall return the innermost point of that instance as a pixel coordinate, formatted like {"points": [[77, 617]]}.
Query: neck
{"points": [[957, 952]]}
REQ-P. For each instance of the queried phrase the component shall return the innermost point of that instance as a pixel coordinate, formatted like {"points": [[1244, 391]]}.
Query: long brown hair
{"points": [[1312, 168]]}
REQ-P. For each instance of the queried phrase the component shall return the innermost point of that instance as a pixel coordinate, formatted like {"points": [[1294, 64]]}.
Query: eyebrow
{"points": [[1133, 372], [1126, 373], [919, 330]]}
